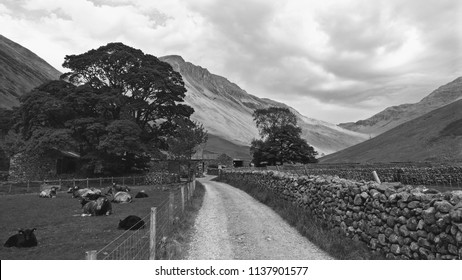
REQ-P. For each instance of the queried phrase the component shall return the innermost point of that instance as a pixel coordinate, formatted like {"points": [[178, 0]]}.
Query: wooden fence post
{"points": [[87, 182], [73, 182], [123, 180], [376, 178], [112, 180], [171, 197], [28, 185], [152, 236], [90, 255], [100, 182], [133, 180], [10, 187], [182, 199]]}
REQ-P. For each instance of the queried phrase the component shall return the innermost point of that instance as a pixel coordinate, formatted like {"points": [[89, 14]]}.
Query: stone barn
{"points": [[55, 164]]}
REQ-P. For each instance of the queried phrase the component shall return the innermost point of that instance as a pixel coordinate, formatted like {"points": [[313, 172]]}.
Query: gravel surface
{"points": [[233, 225]]}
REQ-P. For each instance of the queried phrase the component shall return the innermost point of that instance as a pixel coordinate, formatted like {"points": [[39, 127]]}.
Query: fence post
{"points": [[100, 182], [90, 255], [112, 180], [73, 182], [87, 182], [133, 180], [376, 178], [182, 199], [28, 185], [152, 235], [10, 187], [123, 180], [170, 207]]}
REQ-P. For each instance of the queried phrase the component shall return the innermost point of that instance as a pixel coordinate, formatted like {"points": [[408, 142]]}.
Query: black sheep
{"points": [[141, 194], [131, 222], [24, 238]]}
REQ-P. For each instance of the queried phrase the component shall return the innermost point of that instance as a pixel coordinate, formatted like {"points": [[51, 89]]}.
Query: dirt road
{"points": [[233, 225]]}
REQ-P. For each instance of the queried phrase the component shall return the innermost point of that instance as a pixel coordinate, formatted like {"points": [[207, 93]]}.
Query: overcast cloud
{"points": [[332, 60]]}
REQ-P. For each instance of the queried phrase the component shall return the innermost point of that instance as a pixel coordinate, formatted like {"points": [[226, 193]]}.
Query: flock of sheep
{"points": [[94, 203]]}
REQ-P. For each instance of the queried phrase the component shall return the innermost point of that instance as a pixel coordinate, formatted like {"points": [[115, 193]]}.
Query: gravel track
{"points": [[233, 225]]}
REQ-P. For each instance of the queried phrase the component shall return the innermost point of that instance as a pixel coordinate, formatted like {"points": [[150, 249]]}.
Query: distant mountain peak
{"points": [[226, 111], [395, 115]]}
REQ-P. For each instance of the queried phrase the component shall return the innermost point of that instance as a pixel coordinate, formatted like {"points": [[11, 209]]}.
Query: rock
{"points": [[443, 221], [405, 196], [458, 225], [373, 243], [413, 204], [374, 193], [414, 247], [358, 200], [425, 254], [403, 230], [459, 237], [395, 249], [393, 197], [456, 215], [393, 238], [405, 250], [452, 249], [413, 235], [428, 215], [391, 221], [412, 223], [424, 243], [420, 224], [382, 239], [402, 220], [443, 206]]}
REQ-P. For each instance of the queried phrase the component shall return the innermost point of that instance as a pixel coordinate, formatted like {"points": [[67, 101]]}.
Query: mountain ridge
{"points": [[396, 115], [435, 136], [22, 70], [216, 95]]}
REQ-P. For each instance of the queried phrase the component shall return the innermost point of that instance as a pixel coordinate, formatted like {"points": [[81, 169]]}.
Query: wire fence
{"points": [[35, 186], [149, 242]]}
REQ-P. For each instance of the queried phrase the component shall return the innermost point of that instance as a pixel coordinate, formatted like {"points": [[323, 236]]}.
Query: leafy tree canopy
{"points": [[280, 139], [187, 139], [116, 107]]}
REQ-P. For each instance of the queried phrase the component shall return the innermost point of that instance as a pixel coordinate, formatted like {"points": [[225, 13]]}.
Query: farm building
{"points": [[34, 167]]}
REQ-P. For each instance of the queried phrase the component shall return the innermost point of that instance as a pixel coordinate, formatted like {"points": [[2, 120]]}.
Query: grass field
{"points": [[62, 233]]}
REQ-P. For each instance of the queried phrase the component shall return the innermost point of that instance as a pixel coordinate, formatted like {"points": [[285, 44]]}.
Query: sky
{"points": [[336, 61]]}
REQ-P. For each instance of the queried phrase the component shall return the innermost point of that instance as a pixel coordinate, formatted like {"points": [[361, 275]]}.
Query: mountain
{"points": [[396, 115], [20, 71], [226, 110], [435, 136]]}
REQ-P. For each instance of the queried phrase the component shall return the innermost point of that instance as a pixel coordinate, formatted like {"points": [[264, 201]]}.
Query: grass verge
{"points": [[332, 241], [176, 245]]}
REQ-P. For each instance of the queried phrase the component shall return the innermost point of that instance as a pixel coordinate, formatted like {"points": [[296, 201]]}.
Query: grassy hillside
{"points": [[20, 71], [435, 136]]}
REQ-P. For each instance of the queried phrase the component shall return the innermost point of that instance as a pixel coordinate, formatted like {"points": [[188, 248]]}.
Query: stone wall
{"points": [[419, 174], [400, 221], [31, 167]]}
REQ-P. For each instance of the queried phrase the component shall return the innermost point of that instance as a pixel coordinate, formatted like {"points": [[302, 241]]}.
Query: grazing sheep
{"points": [[24, 238], [48, 193], [122, 197], [131, 222], [141, 194], [98, 207]]}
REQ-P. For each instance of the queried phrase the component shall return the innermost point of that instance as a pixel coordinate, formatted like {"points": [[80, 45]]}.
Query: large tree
{"points": [[187, 139], [116, 106], [280, 138]]}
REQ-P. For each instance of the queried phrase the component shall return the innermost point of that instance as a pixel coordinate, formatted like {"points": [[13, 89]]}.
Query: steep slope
{"points": [[226, 111], [435, 136], [20, 71], [396, 115]]}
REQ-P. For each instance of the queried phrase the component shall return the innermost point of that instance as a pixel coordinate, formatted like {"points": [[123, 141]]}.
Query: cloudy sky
{"points": [[337, 61]]}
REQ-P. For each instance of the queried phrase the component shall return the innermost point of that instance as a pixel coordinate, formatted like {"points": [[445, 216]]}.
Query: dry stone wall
{"points": [[400, 221]]}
